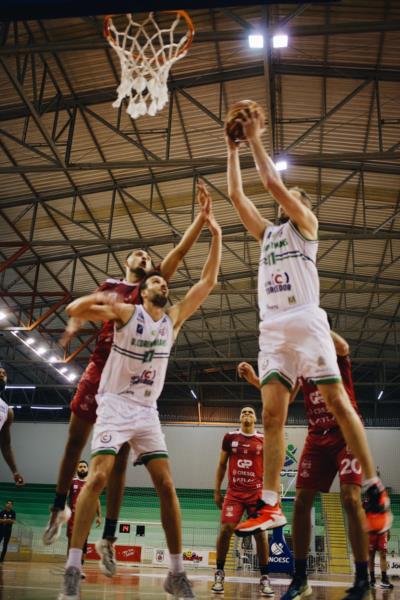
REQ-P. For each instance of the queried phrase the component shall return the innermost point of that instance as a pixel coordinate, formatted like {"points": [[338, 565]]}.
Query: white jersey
{"points": [[287, 274], [136, 367], [3, 413]]}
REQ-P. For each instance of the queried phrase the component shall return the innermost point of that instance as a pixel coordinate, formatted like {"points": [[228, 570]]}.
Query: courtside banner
{"points": [[122, 553], [197, 558], [280, 556]]}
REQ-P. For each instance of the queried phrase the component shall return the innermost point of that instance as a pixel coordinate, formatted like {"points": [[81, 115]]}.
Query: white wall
{"points": [[193, 450]]}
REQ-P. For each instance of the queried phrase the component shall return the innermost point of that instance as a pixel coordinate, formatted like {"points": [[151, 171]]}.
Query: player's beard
{"points": [[159, 300], [82, 475], [138, 272]]}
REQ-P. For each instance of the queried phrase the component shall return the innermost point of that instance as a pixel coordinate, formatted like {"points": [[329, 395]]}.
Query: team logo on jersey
{"points": [[105, 438], [244, 463], [290, 458], [139, 328], [235, 444], [321, 362], [146, 377], [140, 317], [279, 282]]}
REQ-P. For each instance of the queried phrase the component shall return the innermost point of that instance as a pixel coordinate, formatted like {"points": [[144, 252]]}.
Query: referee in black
{"points": [[7, 520]]}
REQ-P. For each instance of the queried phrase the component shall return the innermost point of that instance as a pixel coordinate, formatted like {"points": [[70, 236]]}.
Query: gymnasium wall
{"points": [[193, 450]]}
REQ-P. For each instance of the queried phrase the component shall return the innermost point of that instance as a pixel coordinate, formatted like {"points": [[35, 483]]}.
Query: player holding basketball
{"points": [[243, 450], [76, 487], [325, 454], [294, 337], [130, 385], [6, 420], [83, 405]]}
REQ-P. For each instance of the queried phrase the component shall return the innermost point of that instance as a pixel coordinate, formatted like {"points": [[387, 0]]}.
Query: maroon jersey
{"points": [[245, 460], [319, 417], [129, 293], [74, 491]]}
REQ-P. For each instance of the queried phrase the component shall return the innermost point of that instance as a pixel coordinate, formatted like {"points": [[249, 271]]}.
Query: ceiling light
{"points": [[281, 165], [63, 370], [380, 394], [280, 40], [47, 407], [256, 40], [193, 394], [53, 359], [21, 387], [41, 350], [72, 377], [30, 341], [3, 315]]}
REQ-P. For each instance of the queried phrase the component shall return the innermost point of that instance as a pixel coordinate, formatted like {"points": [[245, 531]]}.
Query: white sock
{"points": [[367, 483], [176, 563], [74, 558], [269, 497]]}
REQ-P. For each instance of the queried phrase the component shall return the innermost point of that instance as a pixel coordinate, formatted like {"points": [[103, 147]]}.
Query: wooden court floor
{"points": [[42, 581]]}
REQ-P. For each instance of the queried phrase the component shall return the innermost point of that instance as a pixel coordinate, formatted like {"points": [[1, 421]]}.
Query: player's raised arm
{"points": [[248, 212], [100, 307], [291, 201], [198, 293], [341, 346], [171, 262]]}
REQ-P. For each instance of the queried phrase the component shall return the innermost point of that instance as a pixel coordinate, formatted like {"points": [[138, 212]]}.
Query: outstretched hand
{"points": [[19, 480], [205, 201], [73, 326], [252, 123], [246, 371]]}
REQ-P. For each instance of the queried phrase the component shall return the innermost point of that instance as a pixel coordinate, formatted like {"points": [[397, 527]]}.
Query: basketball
{"points": [[234, 129]]}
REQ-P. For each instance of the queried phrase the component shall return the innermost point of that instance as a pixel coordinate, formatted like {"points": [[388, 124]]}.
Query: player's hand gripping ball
{"points": [[233, 127]]}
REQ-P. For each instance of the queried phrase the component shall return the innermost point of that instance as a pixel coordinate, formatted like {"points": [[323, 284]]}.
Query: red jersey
{"points": [[245, 460], [129, 293], [74, 491], [319, 417]]}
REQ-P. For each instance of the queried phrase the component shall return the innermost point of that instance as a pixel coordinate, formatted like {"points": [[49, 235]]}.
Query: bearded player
{"points": [[243, 451], [76, 487], [294, 337], [324, 455], [83, 406], [130, 386]]}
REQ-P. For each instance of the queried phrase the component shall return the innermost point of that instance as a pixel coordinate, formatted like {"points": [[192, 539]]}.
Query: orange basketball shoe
{"points": [[377, 508], [265, 517]]}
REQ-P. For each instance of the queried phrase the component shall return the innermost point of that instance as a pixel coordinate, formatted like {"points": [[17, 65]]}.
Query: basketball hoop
{"points": [[147, 52]]}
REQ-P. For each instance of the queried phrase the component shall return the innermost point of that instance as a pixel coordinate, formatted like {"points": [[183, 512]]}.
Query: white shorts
{"points": [[119, 421], [296, 344]]}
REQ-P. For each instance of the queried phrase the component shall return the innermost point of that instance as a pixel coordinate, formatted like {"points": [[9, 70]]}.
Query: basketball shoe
{"points": [[105, 549], [53, 527], [178, 586], [264, 517], [299, 588], [265, 587], [377, 508], [219, 577], [71, 585], [360, 591]]}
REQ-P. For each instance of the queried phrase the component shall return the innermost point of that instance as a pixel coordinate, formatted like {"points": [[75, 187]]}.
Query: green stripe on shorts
{"points": [[145, 458], [327, 380], [280, 377], [107, 451]]}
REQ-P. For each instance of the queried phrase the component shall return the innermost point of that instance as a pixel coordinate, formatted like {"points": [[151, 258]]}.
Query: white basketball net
{"points": [[146, 57]]}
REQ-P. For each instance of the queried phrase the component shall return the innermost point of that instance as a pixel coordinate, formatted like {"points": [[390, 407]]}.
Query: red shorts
{"points": [[378, 542], [235, 503], [84, 404], [323, 456]]}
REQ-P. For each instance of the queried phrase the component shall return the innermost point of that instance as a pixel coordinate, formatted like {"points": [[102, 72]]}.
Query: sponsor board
{"points": [[199, 558], [122, 553], [280, 556]]}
